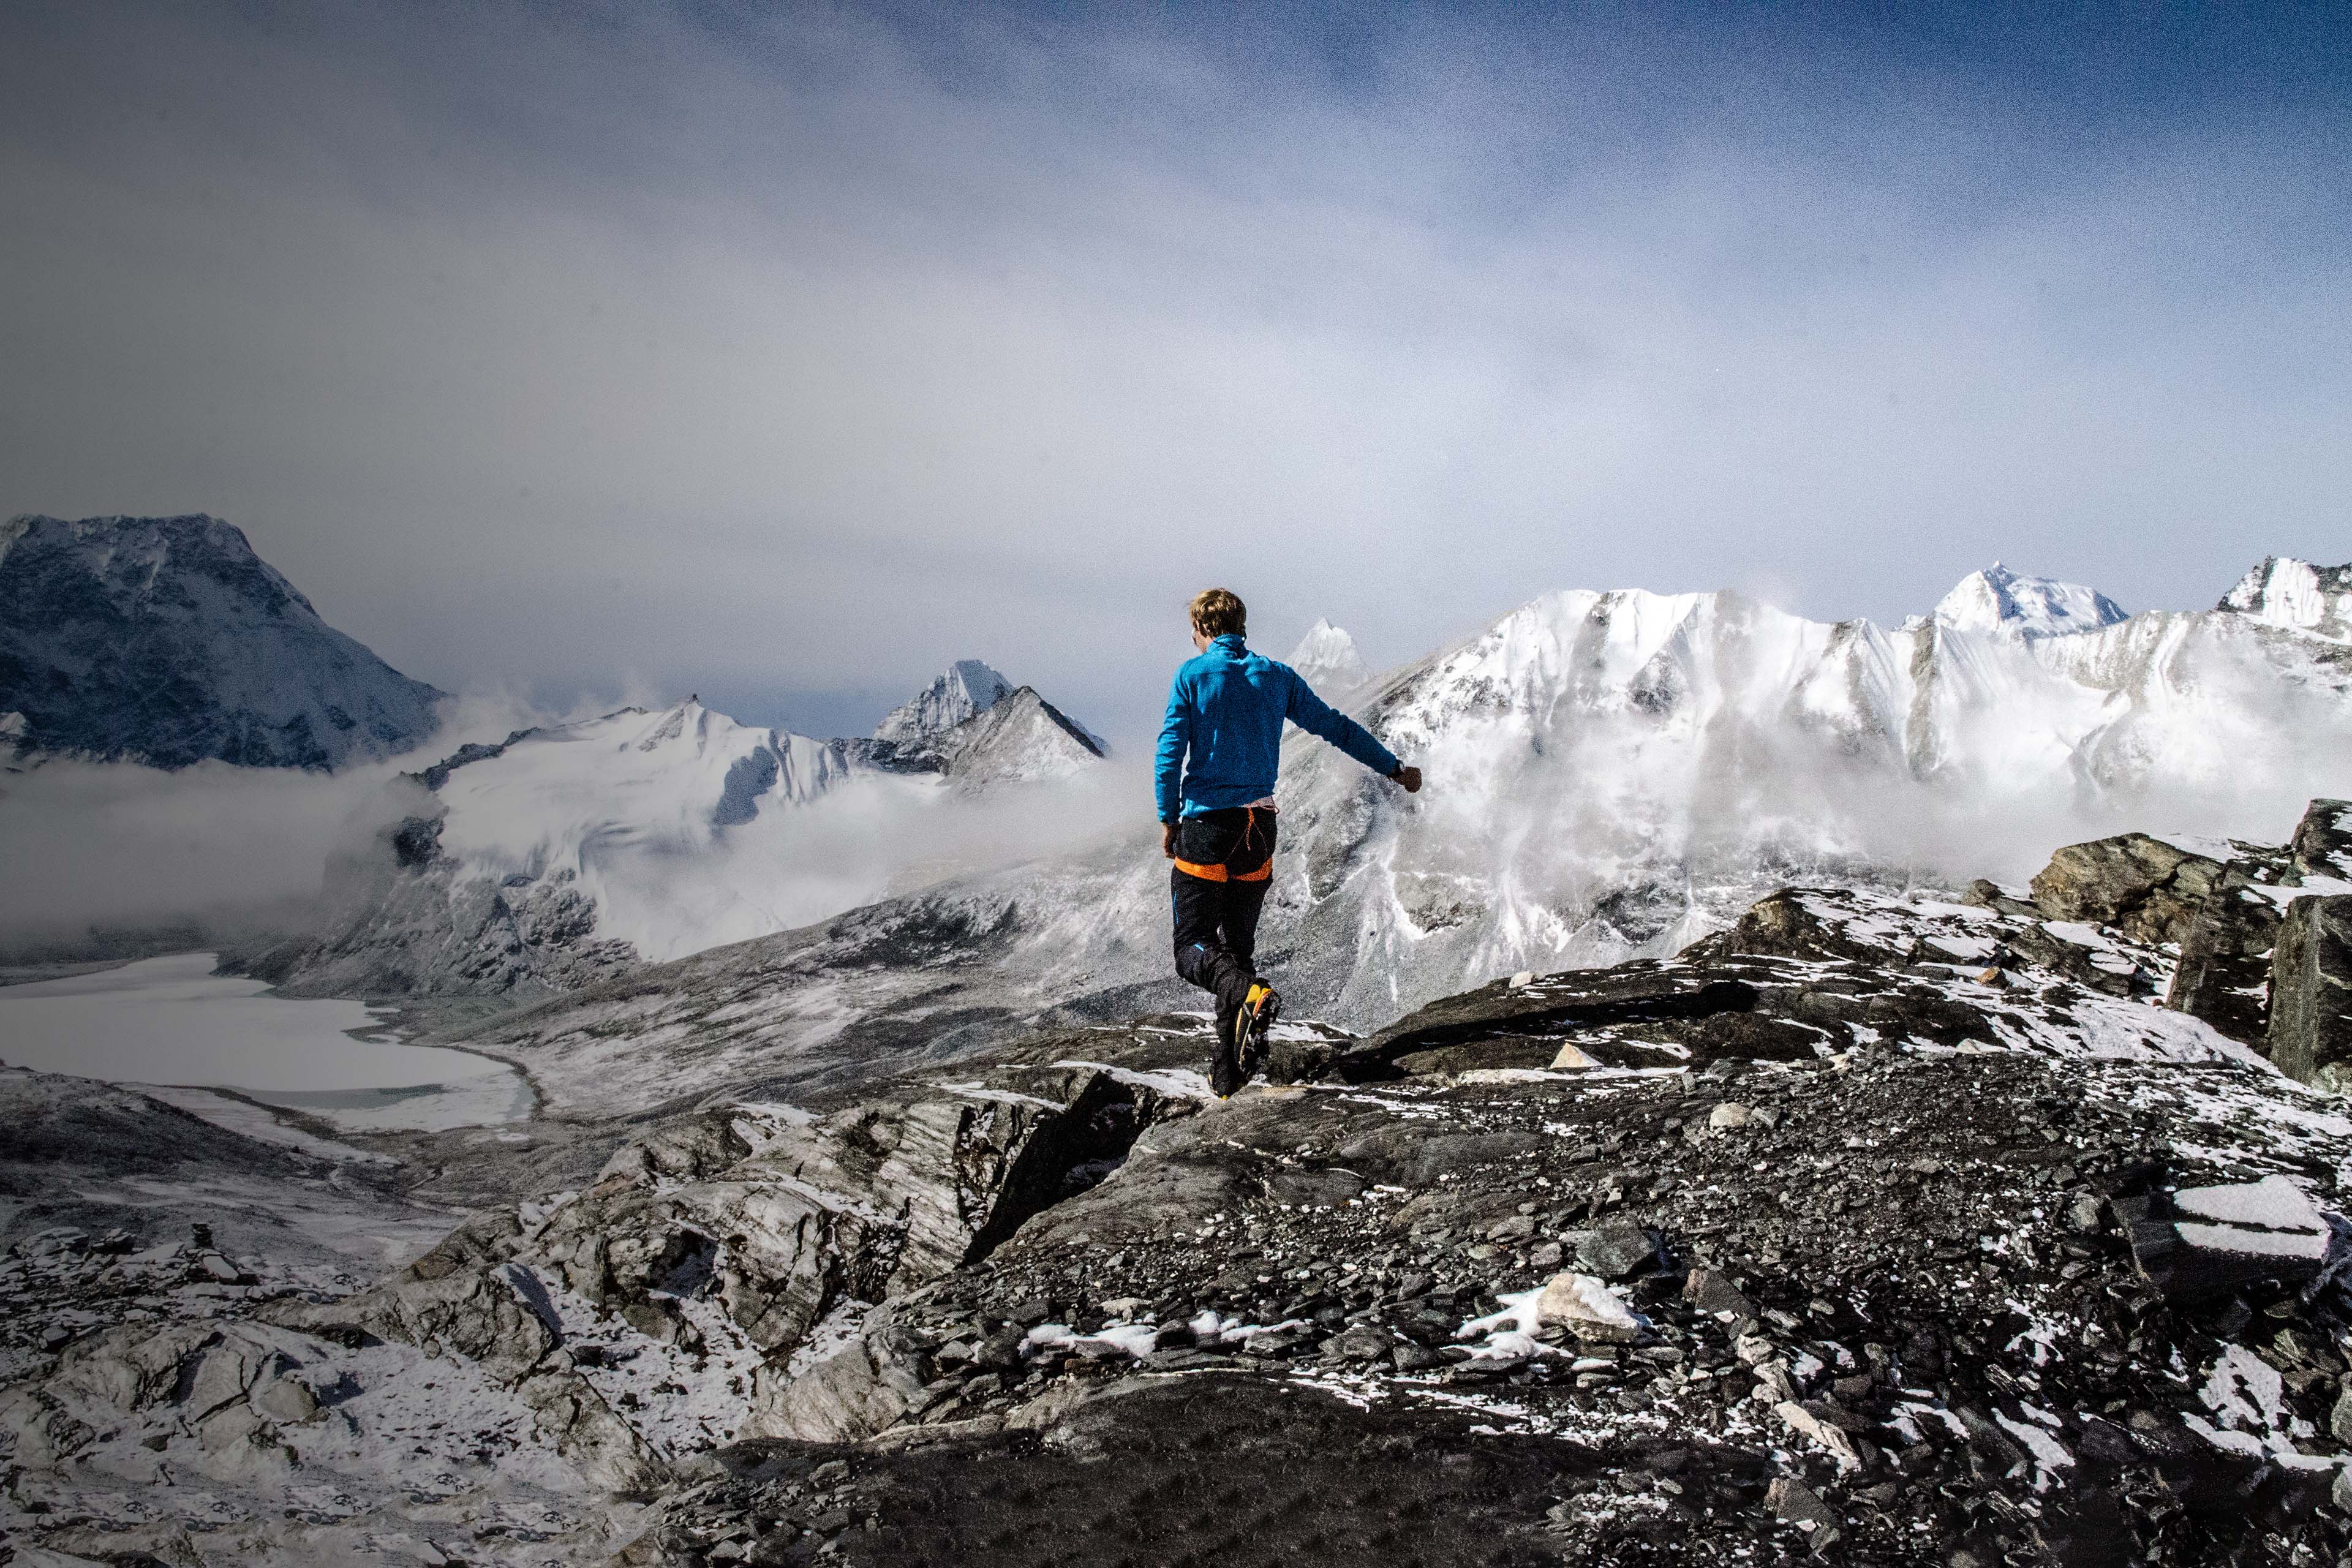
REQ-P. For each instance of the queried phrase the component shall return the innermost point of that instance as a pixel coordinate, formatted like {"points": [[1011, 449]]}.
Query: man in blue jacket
{"points": [[1219, 749]]}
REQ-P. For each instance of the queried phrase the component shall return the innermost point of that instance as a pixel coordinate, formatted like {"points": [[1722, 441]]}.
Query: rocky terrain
{"points": [[166, 640], [1872, 1229]]}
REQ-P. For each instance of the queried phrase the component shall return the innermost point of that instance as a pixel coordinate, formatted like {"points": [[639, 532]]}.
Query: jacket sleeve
{"points": [[1175, 740], [1316, 717]]}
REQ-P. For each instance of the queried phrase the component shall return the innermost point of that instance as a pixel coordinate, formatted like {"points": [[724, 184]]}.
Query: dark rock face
{"points": [[2322, 845], [2310, 1033], [167, 640], [2225, 960], [2143, 886]]}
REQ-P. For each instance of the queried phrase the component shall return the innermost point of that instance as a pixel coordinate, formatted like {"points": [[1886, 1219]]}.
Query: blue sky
{"points": [[783, 354]]}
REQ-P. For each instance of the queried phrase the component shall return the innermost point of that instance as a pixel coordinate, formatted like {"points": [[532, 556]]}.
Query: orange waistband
{"points": [[1221, 874]]}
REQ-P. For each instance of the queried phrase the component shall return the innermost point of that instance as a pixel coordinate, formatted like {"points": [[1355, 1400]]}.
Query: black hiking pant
{"points": [[1223, 865]]}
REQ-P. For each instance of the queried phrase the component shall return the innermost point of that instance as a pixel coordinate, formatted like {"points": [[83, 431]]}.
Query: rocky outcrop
{"points": [[2145, 888], [2322, 844], [751, 1228], [2310, 1032], [2197, 1243], [2225, 959], [167, 640]]}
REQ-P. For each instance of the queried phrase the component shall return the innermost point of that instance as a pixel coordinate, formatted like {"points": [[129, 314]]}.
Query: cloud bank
{"points": [[783, 358]]}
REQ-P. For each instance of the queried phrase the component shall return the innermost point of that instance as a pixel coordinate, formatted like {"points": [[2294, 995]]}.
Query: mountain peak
{"points": [[1326, 657], [168, 640], [2285, 592], [2003, 603], [968, 687]]}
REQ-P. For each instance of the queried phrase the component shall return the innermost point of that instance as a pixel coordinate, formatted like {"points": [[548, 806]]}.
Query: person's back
{"points": [[1220, 751]]}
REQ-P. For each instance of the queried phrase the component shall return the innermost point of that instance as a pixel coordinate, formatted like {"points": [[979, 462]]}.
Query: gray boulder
{"points": [[2146, 889]]}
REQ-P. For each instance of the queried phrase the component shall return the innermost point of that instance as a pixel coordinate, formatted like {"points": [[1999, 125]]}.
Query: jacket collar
{"points": [[1231, 644]]}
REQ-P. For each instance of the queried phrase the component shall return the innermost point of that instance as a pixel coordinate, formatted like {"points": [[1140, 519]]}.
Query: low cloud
{"points": [[109, 857]]}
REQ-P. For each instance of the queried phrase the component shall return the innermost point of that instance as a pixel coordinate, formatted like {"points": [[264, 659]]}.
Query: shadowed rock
{"points": [[2310, 1035]]}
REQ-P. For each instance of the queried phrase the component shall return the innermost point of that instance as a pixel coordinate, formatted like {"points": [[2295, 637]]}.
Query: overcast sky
{"points": [[783, 354]]}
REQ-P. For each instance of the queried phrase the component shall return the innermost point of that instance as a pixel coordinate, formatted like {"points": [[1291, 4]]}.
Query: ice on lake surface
{"points": [[174, 1021]]}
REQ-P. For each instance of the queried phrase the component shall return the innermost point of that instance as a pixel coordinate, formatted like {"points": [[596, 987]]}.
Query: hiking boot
{"points": [[1258, 1013], [1224, 1074]]}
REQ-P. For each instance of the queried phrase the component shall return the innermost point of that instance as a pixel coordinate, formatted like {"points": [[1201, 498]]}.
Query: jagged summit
{"points": [[1328, 659], [1021, 737], [968, 687], [2005, 604], [168, 640], [2284, 592]]}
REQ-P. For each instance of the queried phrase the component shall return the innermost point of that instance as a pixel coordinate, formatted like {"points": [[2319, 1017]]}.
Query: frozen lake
{"points": [[172, 1021]]}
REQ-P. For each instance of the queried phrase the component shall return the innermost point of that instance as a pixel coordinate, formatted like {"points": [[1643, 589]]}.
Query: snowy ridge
{"points": [[1021, 739], [1614, 773], [683, 828], [167, 640], [1999, 602], [1611, 776], [563, 854], [967, 687], [2284, 592], [555, 797], [1615, 776]]}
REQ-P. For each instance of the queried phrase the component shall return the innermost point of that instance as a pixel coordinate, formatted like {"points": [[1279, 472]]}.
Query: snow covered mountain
{"points": [[1999, 602], [978, 729], [1326, 657], [968, 687], [1021, 739], [1611, 774], [167, 640], [564, 853], [2284, 591], [1613, 771], [1614, 775]]}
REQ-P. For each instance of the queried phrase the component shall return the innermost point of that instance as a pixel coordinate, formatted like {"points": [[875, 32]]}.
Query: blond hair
{"points": [[1217, 612]]}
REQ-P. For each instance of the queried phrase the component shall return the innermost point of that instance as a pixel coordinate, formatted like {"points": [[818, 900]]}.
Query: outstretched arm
{"points": [[1316, 717]]}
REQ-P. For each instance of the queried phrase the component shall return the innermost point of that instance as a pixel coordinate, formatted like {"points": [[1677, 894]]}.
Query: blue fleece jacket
{"points": [[1224, 730]]}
